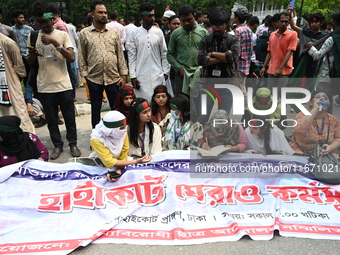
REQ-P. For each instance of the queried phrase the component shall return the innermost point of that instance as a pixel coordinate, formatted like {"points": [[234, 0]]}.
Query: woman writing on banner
{"points": [[232, 136], [266, 138], [145, 136], [320, 126], [110, 144], [183, 131], [16, 145]]}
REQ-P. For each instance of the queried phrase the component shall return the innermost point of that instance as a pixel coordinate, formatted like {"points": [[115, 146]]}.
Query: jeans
{"points": [[50, 102], [96, 93]]}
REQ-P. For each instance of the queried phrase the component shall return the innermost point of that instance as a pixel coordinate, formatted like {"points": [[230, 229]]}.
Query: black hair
{"points": [[17, 12], [336, 18], [113, 15], [266, 128], [131, 19], [89, 19], [276, 17], [154, 105], [207, 23], [319, 16], [253, 20], [172, 18], [40, 8], [66, 18], [266, 18], [198, 15], [134, 122], [186, 10], [206, 13], [287, 14], [182, 101], [95, 3], [55, 8], [324, 25], [219, 15], [146, 6], [242, 20]]}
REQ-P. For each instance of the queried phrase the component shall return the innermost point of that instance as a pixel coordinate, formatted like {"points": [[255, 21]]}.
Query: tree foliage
{"points": [[76, 9]]}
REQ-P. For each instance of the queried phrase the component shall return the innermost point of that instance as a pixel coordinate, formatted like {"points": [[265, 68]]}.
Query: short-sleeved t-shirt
{"points": [[53, 75], [278, 45]]}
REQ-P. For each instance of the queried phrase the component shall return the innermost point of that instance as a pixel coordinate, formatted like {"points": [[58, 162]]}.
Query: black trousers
{"points": [[50, 102]]}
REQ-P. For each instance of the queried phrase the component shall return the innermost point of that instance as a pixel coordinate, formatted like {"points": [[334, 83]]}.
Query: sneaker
{"points": [[42, 122], [60, 122], [336, 101]]}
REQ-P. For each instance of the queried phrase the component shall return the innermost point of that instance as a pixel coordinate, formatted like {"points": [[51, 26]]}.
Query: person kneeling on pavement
{"points": [[110, 143]]}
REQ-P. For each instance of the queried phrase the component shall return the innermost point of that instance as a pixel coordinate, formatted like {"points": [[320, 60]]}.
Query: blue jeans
{"points": [[96, 94]]}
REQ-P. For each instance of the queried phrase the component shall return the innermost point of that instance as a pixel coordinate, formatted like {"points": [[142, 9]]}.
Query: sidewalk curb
{"points": [[85, 108]]}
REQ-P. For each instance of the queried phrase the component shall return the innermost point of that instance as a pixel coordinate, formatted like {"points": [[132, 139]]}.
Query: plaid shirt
{"points": [[246, 50], [22, 35]]}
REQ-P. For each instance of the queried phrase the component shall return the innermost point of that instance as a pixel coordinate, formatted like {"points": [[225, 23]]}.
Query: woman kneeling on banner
{"points": [[320, 126], [145, 136], [226, 133], [183, 131], [16, 145], [266, 138], [110, 144]]}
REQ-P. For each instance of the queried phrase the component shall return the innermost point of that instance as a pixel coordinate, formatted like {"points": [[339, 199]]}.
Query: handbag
{"points": [[326, 167]]}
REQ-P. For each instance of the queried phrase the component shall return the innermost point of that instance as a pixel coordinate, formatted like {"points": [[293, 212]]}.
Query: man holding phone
{"points": [[147, 54], [53, 48]]}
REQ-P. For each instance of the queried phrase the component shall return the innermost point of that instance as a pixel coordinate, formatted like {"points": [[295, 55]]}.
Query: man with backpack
{"points": [[218, 53]]}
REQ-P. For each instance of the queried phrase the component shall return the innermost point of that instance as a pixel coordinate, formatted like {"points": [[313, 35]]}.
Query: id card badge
{"points": [[216, 72]]}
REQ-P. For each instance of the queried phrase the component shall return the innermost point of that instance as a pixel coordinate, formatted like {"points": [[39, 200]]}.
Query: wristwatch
{"points": [[59, 48]]}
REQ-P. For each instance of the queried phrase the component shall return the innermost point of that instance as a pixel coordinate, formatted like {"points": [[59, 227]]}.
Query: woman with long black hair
{"points": [[144, 135], [266, 138]]}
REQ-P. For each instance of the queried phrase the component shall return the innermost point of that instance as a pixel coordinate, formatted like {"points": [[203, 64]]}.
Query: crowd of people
{"points": [[159, 109]]}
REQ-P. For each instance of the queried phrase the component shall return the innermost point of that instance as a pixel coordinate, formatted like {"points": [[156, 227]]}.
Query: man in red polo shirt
{"points": [[282, 43]]}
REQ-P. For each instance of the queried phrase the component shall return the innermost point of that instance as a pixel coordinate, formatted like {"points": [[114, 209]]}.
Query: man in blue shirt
{"points": [[22, 31]]}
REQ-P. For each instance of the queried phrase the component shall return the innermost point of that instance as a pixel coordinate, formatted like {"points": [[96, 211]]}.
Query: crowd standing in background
{"points": [[165, 63]]}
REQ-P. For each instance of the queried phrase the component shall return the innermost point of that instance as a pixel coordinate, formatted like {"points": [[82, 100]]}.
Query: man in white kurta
{"points": [[14, 69], [147, 50]]}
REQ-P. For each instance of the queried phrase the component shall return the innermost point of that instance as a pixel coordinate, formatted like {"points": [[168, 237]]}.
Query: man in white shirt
{"points": [[147, 50]]}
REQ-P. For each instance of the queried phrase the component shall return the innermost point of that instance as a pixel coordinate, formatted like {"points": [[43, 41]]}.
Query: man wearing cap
{"points": [[52, 48], [245, 36], [183, 49], [101, 60], [218, 53], [165, 21], [146, 47]]}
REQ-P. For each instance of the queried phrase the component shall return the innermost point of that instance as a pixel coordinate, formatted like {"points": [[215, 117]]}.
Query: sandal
{"points": [[104, 99], [88, 101]]}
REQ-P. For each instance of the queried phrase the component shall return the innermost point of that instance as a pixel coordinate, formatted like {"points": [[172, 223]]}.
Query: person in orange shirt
{"points": [[283, 42]]}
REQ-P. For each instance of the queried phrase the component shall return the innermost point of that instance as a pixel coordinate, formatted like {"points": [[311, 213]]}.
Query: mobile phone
{"points": [[137, 85], [114, 175]]}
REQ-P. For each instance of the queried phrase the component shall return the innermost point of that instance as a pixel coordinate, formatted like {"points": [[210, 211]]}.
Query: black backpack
{"points": [[261, 46]]}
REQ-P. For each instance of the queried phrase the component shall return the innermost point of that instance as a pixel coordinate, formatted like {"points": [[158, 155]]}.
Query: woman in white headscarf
{"points": [[110, 143]]}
